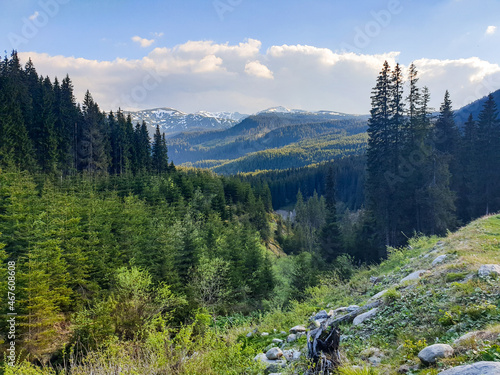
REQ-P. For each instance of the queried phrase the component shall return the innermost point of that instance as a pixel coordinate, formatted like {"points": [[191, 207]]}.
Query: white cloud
{"points": [[257, 69], [143, 41], [212, 76], [490, 30], [34, 16]]}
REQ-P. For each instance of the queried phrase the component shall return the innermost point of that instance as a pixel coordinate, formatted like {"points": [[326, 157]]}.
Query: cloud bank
{"points": [[204, 75]]}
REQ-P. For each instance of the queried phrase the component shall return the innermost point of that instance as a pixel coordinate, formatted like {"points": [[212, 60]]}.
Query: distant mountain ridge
{"points": [[474, 108], [173, 121]]}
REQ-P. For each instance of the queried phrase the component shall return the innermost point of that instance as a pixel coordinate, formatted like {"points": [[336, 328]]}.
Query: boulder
{"points": [[297, 329], [291, 337], [439, 259], [413, 276], [378, 295], [322, 315], [489, 270], [292, 355], [367, 315], [264, 334], [274, 353], [277, 341], [272, 365], [479, 368], [431, 354]]}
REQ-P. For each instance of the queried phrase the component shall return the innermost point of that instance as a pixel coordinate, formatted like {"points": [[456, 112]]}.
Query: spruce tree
{"points": [[329, 236], [159, 152], [488, 146], [469, 184]]}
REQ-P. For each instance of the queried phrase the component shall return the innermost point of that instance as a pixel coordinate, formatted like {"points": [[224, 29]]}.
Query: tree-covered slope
{"points": [[260, 133]]}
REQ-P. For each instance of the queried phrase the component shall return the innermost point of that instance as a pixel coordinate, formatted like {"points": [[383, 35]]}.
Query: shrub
{"points": [[391, 295]]}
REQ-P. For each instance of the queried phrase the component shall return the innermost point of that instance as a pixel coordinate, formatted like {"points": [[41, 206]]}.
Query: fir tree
{"points": [[488, 146]]}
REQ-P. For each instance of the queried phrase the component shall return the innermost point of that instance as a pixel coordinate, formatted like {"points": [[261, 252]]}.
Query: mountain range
{"points": [[173, 121]]}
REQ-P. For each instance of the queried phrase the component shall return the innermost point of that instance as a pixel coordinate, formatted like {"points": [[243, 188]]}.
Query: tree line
{"points": [[43, 129], [427, 175]]}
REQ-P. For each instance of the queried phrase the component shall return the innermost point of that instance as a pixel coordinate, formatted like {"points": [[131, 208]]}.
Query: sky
{"points": [[249, 55]]}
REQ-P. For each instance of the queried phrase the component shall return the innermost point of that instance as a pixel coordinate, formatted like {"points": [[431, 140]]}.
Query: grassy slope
{"points": [[447, 302]]}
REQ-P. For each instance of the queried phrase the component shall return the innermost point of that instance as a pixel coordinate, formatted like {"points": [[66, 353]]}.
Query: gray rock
{"points": [[374, 361], [277, 341], [352, 308], [403, 369], [297, 329], [378, 295], [475, 336], [374, 279], [431, 354], [274, 353], [283, 332], [489, 269], [413, 276], [479, 368], [363, 317], [439, 259], [249, 334], [272, 365], [300, 334], [321, 315], [292, 355], [264, 334], [291, 337], [275, 373]]}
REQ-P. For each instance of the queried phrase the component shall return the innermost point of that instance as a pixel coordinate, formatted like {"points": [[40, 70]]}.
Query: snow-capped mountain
{"points": [[173, 121], [286, 111]]}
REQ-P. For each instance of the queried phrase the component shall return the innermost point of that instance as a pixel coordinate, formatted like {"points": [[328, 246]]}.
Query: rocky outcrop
{"points": [[365, 316], [489, 270], [479, 368], [438, 260], [413, 276], [297, 329], [272, 365]]}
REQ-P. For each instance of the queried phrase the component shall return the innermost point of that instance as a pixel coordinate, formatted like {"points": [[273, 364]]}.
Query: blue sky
{"points": [[247, 55]]}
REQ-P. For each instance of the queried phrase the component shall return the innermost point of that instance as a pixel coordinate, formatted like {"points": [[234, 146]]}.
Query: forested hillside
{"points": [[251, 144]]}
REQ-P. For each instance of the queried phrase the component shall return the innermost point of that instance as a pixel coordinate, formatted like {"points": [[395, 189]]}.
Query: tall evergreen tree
{"points": [[488, 134], [329, 236], [92, 140], [469, 184], [159, 152]]}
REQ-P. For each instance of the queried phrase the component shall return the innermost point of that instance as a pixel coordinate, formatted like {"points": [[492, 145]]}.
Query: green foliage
{"points": [[356, 371], [391, 295], [412, 348], [454, 276]]}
